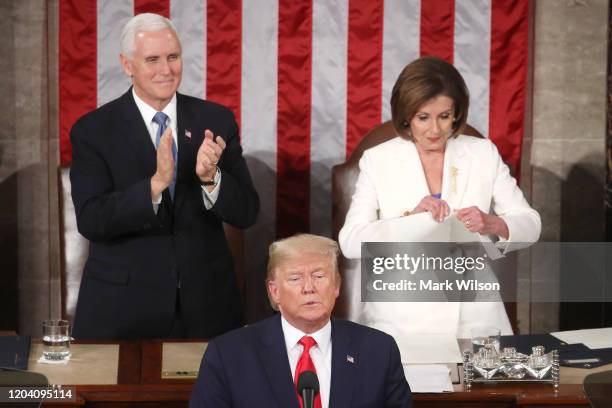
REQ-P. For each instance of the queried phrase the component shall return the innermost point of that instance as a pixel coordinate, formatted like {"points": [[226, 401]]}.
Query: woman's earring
{"points": [[406, 126]]}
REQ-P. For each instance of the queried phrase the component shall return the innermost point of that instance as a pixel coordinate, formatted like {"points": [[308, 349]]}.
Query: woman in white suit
{"points": [[431, 167]]}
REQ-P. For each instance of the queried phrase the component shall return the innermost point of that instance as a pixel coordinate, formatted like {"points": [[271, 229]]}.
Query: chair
{"points": [[344, 177], [598, 389], [14, 377], [18, 379], [74, 249]]}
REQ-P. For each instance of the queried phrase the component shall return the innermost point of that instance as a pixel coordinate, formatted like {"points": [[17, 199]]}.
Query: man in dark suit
{"points": [[259, 365], [154, 175]]}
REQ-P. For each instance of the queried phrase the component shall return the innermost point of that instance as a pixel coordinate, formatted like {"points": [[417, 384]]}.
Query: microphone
{"points": [[308, 388]]}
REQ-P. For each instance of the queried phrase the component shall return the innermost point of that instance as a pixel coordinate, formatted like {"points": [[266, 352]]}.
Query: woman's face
{"points": [[433, 124]]}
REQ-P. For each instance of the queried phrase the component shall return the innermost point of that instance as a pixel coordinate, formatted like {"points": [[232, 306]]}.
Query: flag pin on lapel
{"points": [[350, 359], [188, 133]]}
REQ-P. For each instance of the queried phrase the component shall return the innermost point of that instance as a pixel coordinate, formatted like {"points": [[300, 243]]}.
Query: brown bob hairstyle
{"points": [[424, 79]]}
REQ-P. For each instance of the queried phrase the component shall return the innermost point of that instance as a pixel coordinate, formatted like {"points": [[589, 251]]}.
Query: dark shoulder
{"points": [[105, 114], [239, 338], [204, 107]]}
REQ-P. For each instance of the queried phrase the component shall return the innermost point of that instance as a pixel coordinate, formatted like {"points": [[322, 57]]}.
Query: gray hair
{"points": [[144, 22], [297, 246]]}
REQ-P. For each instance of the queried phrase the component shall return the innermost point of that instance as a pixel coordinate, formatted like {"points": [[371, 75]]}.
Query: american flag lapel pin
{"points": [[350, 359], [188, 133]]}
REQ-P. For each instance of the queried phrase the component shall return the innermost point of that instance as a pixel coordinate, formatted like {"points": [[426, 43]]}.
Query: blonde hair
{"points": [[297, 246]]}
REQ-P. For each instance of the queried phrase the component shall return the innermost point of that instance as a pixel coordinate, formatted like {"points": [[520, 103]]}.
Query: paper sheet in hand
{"points": [[428, 378], [422, 228], [592, 338]]}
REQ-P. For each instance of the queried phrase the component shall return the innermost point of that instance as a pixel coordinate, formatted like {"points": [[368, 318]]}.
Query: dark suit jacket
{"points": [[138, 258], [249, 367]]}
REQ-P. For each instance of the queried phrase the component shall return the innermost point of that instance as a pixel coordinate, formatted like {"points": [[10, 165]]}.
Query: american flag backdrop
{"points": [[306, 79]]}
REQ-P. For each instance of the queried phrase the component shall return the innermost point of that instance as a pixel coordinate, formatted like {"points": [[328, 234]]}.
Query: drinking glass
{"points": [[56, 340], [485, 335]]}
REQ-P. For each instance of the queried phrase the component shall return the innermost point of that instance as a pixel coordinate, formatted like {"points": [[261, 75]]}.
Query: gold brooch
{"points": [[454, 171]]}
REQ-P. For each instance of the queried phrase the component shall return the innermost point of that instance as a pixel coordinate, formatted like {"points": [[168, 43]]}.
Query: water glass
{"points": [[56, 340], [485, 335]]}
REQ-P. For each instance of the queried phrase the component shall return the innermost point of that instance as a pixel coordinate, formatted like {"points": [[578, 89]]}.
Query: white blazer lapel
{"points": [[408, 182], [457, 166]]}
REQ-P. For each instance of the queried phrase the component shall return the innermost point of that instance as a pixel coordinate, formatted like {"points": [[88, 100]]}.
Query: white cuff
{"points": [[210, 198]]}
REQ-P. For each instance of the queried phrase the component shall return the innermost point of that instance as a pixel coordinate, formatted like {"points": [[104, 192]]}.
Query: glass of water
{"points": [[484, 335], [56, 340]]}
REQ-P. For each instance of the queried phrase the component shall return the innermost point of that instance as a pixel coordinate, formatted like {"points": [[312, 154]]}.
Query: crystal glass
{"points": [[485, 335], [56, 340]]}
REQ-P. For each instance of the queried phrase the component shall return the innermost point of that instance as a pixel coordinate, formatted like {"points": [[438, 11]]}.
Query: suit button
{"points": [[147, 226]]}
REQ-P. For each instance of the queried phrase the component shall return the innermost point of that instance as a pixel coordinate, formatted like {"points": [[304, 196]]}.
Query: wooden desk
{"points": [[128, 377], [524, 395], [140, 384]]}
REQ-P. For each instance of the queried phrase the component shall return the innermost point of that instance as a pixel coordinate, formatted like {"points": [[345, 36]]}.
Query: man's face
{"points": [[305, 290], [156, 66]]}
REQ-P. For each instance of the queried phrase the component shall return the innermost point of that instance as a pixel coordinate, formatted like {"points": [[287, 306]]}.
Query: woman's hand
{"points": [[438, 208], [482, 223]]}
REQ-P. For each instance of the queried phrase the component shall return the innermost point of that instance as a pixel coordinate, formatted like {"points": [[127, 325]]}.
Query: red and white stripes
{"points": [[305, 79]]}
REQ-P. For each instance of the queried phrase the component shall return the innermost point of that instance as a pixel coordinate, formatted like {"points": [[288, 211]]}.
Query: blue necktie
{"points": [[162, 119]]}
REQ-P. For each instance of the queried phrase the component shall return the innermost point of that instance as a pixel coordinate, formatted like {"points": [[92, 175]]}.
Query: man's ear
{"points": [[126, 64], [273, 290]]}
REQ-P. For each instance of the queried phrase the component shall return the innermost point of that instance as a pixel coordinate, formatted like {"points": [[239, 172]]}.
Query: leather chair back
{"points": [[74, 249]]}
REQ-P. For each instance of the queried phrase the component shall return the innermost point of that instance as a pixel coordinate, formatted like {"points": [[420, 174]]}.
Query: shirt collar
{"points": [[148, 112], [293, 335]]}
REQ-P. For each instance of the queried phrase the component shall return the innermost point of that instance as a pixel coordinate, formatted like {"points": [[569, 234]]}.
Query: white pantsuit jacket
{"points": [[392, 181]]}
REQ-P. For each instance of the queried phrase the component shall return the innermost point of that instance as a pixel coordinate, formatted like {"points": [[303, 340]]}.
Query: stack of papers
{"points": [[424, 357], [592, 338], [420, 348], [428, 377]]}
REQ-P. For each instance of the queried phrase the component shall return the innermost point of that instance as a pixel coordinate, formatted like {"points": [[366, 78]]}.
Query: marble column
{"points": [[568, 164]]}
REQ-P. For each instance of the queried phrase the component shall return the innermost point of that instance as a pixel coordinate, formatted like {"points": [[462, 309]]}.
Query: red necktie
{"points": [[305, 364]]}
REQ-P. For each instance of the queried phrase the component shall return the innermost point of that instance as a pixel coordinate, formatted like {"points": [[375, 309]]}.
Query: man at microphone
{"points": [[340, 363]]}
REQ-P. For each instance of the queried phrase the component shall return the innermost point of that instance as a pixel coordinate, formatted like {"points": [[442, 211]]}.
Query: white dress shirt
{"points": [[321, 354], [148, 113]]}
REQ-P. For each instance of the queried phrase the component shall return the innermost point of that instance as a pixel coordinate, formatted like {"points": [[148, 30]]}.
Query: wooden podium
{"points": [[160, 373]]}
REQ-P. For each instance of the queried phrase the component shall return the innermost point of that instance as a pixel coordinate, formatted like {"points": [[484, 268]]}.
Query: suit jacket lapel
{"points": [[457, 164], [345, 360], [136, 134], [274, 359]]}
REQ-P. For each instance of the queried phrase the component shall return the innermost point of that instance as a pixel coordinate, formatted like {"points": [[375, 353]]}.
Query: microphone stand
{"points": [[308, 397]]}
